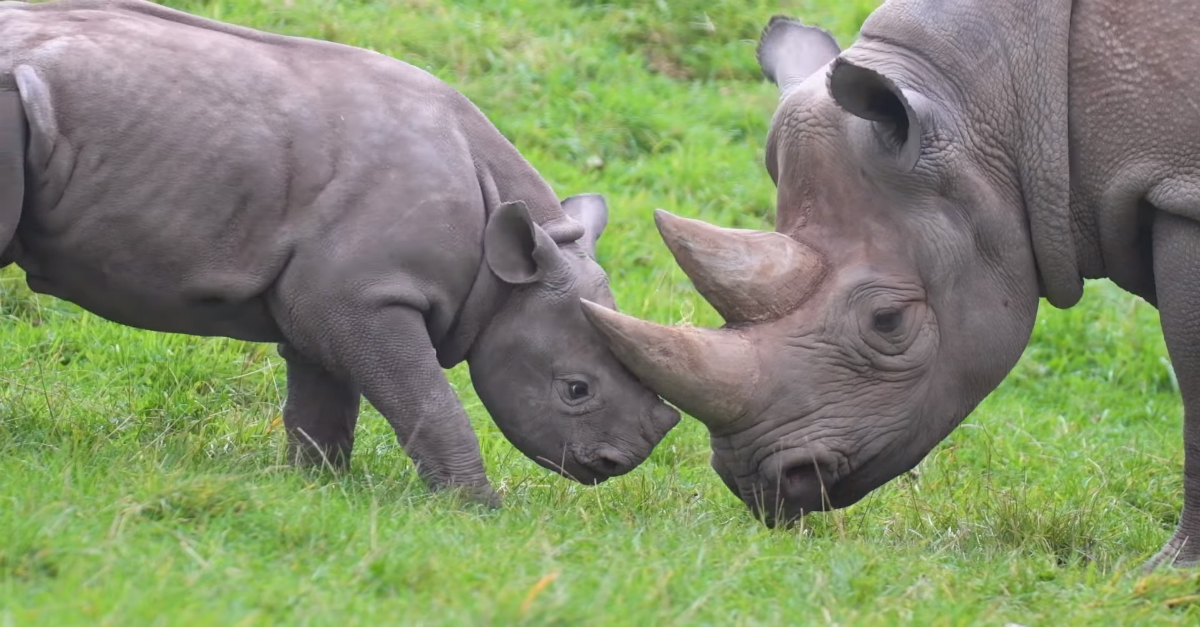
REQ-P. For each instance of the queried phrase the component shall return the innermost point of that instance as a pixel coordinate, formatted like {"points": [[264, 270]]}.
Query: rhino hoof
{"points": [[481, 495], [1179, 552]]}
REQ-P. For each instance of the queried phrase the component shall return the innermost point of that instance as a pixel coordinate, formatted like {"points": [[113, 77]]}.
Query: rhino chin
{"points": [[573, 470], [591, 467]]}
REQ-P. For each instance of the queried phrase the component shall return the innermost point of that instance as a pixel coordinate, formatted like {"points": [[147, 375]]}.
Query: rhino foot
{"points": [[1181, 551], [319, 415], [305, 454], [482, 495]]}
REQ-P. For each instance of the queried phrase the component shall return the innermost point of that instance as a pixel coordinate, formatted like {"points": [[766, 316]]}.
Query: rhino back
{"points": [[178, 168]]}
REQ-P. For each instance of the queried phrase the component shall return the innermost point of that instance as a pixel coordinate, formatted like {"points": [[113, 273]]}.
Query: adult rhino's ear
{"points": [[869, 95], [788, 51], [516, 249], [590, 210]]}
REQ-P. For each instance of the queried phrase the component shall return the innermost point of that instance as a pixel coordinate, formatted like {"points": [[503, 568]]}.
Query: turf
{"points": [[142, 475]]}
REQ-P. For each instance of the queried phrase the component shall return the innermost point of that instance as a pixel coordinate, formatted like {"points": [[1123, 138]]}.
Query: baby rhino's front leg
{"points": [[386, 351]]}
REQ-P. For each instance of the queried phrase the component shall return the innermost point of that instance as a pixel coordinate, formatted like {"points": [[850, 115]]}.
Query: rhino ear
{"points": [[516, 249], [869, 95], [788, 51], [590, 210]]}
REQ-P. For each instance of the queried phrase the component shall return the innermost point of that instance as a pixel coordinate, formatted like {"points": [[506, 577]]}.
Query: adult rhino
{"points": [[935, 178], [179, 174]]}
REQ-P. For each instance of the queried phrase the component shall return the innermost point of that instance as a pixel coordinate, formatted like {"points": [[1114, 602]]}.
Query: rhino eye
{"points": [[577, 390], [887, 321]]}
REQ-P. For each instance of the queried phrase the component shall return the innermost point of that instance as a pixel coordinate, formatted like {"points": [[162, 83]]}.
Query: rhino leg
{"points": [[397, 367], [320, 413], [1177, 280], [12, 169], [384, 348]]}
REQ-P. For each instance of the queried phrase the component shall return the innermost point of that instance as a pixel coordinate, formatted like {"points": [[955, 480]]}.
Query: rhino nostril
{"points": [[800, 474], [804, 486], [607, 462]]}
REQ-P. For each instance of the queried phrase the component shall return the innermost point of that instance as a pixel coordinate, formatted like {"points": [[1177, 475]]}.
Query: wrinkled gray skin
{"points": [[182, 175], [958, 161]]}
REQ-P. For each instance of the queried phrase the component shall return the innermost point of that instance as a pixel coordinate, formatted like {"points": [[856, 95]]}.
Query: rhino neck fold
{"points": [[1039, 58], [1011, 56], [504, 176], [488, 294]]}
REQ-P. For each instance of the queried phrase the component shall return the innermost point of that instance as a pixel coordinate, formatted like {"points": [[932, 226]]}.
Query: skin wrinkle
{"points": [[823, 421], [943, 86], [792, 124], [939, 60]]}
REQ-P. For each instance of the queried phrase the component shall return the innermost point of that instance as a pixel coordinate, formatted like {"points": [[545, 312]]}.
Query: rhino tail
{"points": [[13, 135]]}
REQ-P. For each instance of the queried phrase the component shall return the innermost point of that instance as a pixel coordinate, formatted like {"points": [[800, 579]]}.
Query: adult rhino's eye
{"points": [[577, 390], [887, 321]]}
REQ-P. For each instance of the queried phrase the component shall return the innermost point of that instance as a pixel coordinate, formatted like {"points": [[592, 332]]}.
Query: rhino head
{"points": [[897, 291], [542, 370]]}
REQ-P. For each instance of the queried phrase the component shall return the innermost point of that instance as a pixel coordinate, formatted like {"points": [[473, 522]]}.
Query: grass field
{"points": [[141, 474]]}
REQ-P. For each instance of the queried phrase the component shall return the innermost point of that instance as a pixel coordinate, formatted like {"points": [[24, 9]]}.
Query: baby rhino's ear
{"points": [[516, 249], [590, 210]]}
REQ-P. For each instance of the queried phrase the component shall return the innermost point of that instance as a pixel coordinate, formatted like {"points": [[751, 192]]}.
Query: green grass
{"points": [[141, 474]]}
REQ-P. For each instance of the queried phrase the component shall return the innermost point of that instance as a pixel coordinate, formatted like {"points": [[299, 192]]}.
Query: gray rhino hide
{"points": [[182, 175], [959, 160]]}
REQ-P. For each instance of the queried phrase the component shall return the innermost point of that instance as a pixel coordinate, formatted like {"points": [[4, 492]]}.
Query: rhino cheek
{"points": [[725, 474], [517, 406]]}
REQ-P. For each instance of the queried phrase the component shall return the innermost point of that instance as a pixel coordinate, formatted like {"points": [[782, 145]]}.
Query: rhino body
{"points": [[182, 175], [934, 179]]}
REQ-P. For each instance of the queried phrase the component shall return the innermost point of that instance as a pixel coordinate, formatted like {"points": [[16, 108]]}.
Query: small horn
{"points": [[747, 276], [708, 373]]}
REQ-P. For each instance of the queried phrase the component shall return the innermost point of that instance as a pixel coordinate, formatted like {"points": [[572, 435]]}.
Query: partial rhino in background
{"points": [[956, 162], [178, 174]]}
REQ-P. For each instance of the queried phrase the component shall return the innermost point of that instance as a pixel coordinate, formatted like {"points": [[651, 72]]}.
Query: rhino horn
{"points": [[709, 373], [747, 276]]}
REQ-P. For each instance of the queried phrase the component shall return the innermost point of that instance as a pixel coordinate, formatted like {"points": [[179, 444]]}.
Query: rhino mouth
{"points": [[590, 467], [794, 483], [804, 490], [776, 510]]}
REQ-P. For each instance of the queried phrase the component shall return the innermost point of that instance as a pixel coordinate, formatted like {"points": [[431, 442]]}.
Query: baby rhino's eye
{"points": [[577, 390]]}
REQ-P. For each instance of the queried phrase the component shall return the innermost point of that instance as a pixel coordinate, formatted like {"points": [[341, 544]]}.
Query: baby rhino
{"points": [[177, 174]]}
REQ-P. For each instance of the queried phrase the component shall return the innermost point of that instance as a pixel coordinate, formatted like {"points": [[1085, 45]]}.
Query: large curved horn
{"points": [[747, 276], [708, 373]]}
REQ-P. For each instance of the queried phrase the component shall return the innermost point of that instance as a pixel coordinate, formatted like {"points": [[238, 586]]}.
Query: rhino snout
{"points": [[799, 482], [605, 462]]}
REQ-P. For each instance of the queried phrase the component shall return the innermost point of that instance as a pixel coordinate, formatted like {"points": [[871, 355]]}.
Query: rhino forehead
{"points": [[806, 113]]}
